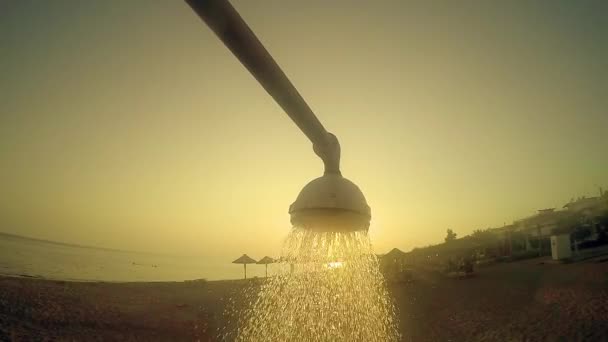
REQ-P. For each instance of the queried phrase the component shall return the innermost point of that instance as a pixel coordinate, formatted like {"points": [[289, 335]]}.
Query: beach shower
{"points": [[329, 203], [329, 286]]}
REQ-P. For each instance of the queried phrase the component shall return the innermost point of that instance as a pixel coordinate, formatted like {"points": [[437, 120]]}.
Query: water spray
{"points": [[330, 203]]}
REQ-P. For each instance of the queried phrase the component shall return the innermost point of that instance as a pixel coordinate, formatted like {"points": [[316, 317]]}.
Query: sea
{"points": [[25, 257]]}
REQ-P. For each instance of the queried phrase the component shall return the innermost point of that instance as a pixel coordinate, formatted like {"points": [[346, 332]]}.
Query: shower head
{"points": [[331, 202]]}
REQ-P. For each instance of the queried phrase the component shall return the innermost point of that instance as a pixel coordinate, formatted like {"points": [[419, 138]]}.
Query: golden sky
{"points": [[128, 124]]}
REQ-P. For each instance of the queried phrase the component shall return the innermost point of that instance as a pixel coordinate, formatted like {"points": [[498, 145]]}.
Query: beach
{"points": [[531, 300]]}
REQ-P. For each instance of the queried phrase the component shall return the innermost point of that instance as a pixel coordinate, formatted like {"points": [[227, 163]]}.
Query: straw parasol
{"points": [[244, 259], [265, 261]]}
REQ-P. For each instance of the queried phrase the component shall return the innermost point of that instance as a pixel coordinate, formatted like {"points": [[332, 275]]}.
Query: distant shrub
{"points": [[197, 281], [451, 236]]}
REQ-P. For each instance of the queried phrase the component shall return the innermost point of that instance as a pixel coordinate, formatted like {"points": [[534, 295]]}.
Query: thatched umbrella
{"points": [[244, 259], [265, 261]]}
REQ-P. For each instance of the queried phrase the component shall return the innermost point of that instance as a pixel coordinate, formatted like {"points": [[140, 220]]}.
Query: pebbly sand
{"points": [[533, 300]]}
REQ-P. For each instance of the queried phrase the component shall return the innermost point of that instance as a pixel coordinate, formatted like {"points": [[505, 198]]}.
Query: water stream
{"points": [[328, 288]]}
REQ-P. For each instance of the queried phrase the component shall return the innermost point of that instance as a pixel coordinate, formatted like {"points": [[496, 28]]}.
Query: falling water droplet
{"points": [[328, 288]]}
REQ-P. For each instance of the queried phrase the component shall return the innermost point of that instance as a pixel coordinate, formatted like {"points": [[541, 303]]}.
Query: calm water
{"points": [[43, 259]]}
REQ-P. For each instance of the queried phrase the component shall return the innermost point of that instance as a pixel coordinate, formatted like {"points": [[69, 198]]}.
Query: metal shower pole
{"points": [[228, 25]]}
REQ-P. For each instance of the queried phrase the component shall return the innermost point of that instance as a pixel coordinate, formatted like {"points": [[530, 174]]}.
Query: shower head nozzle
{"points": [[331, 203]]}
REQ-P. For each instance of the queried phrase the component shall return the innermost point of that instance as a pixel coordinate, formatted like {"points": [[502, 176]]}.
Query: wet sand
{"points": [[531, 300]]}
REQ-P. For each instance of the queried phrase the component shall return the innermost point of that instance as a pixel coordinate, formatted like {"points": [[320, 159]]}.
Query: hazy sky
{"points": [[128, 124]]}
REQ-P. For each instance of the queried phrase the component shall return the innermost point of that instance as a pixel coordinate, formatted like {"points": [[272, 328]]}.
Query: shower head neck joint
{"points": [[329, 151]]}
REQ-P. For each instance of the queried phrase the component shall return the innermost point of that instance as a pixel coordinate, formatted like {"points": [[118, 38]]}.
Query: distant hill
{"points": [[27, 238]]}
